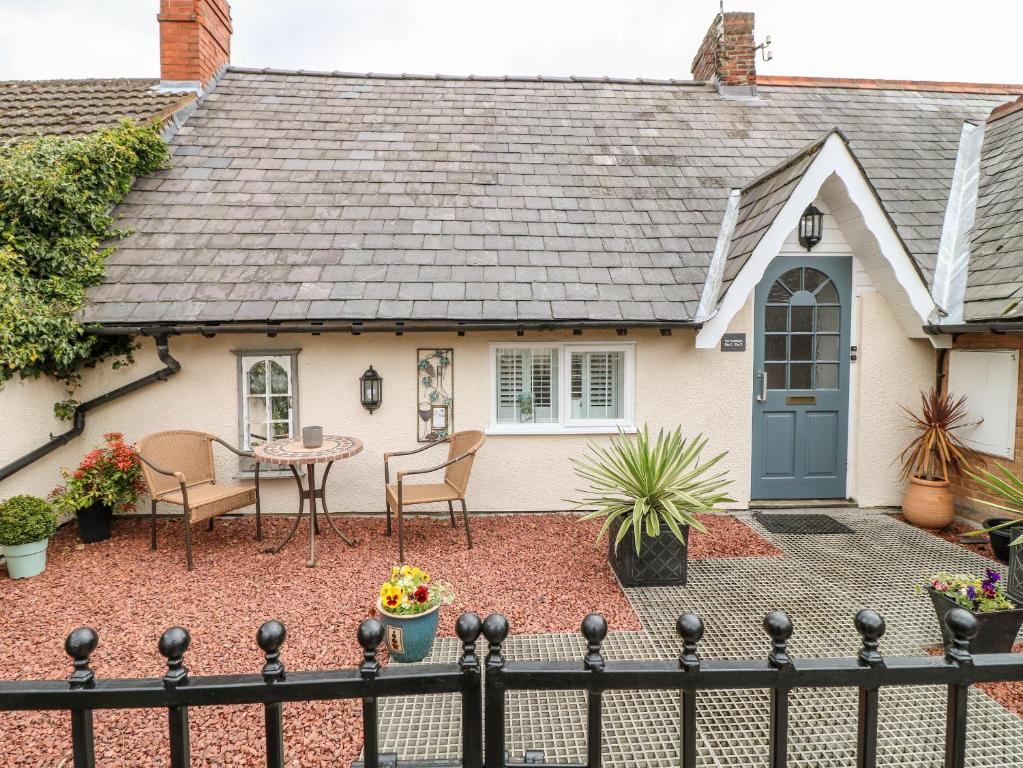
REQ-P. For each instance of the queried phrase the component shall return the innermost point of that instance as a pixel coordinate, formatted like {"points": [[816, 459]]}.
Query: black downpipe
{"points": [[171, 366]]}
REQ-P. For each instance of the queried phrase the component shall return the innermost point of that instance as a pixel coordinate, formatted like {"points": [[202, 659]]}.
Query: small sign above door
{"points": [[733, 342]]}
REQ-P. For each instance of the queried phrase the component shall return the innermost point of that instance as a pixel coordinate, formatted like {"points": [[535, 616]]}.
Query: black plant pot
{"points": [[94, 523], [999, 539], [1014, 587], [663, 560], [996, 630]]}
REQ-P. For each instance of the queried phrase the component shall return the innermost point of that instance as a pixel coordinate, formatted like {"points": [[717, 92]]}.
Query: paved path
{"points": [[821, 582]]}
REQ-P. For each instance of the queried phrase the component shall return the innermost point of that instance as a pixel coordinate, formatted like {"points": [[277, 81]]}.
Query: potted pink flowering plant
{"points": [[108, 479], [409, 605], [998, 617]]}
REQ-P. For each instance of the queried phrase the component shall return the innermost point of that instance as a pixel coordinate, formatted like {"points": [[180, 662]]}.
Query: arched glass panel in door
{"points": [[802, 321]]}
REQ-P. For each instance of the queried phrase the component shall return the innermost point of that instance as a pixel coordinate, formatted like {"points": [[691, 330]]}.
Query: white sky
{"points": [[902, 39]]}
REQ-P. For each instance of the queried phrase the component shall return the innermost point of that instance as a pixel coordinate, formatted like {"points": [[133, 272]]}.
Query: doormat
{"points": [[800, 525]]}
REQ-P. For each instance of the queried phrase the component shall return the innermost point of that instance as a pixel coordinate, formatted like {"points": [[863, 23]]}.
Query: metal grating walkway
{"points": [[821, 582]]}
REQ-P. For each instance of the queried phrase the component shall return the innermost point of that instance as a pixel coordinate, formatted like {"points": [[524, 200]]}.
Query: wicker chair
{"points": [[178, 468], [462, 448]]}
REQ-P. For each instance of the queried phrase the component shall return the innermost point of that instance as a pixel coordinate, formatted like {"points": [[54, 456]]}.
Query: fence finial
{"points": [[690, 628], [468, 628], [963, 627], [173, 644], [270, 638], [370, 635], [495, 629], [594, 630], [79, 646], [778, 626], [870, 624]]}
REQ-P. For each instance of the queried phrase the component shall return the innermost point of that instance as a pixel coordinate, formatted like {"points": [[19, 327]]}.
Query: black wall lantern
{"points": [[811, 227], [372, 389]]}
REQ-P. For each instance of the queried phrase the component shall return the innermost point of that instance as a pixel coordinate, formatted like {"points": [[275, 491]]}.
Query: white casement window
{"points": [[268, 397], [540, 388]]}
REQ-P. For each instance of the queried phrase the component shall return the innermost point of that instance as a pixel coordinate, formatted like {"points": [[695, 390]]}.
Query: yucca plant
{"points": [[646, 484], [937, 452], [1004, 485]]}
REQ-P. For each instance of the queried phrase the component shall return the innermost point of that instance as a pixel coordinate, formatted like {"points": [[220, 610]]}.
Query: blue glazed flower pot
{"points": [[26, 560], [409, 638]]}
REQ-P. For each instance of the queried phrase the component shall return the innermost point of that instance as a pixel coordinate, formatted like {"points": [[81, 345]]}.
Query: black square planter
{"points": [[663, 560], [996, 630], [1014, 585]]}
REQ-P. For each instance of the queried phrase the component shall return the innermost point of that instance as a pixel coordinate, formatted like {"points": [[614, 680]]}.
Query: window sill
{"points": [[557, 429]]}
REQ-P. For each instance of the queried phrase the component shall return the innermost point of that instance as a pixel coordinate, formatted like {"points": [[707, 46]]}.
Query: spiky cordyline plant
{"points": [[645, 484], [936, 451], [1006, 486]]}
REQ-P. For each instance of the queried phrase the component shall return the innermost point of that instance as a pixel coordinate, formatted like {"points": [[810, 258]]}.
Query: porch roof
{"points": [[300, 196]]}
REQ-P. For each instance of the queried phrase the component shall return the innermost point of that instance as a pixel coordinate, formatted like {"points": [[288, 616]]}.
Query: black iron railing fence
{"points": [[779, 673]]}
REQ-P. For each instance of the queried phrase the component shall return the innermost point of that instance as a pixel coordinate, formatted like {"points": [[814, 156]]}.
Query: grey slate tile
{"points": [[288, 198]]}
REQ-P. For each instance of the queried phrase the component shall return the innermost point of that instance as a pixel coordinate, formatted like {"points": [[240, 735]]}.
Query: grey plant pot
{"points": [[663, 560], [26, 560]]}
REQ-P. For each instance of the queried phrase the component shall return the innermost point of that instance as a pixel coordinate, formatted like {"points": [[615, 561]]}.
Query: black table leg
{"points": [[326, 512], [309, 492], [298, 517]]}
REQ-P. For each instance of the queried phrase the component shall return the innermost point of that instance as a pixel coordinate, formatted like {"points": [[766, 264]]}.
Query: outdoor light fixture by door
{"points": [[372, 389], [811, 227]]}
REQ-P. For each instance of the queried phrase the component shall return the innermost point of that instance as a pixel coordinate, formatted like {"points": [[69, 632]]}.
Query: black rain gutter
{"points": [[171, 366], [395, 326], [979, 327]]}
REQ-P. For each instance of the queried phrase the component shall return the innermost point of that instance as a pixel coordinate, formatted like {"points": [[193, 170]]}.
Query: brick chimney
{"points": [[195, 42], [726, 55]]}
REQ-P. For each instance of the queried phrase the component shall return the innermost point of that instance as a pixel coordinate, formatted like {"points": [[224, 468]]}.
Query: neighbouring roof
{"points": [[304, 196], [994, 288], [80, 106]]}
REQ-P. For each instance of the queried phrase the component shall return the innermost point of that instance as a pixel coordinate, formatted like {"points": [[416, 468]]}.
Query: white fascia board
{"points": [[834, 158]]}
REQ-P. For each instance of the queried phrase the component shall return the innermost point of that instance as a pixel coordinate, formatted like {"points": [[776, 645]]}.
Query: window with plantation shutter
{"points": [[531, 396], [597, 384], [527, 385]]}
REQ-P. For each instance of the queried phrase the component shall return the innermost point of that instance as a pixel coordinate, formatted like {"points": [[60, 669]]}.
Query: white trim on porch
{"points": [[836, 176]]}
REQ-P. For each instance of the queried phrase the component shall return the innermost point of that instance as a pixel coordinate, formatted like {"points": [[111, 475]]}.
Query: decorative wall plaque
{"points": [[436, 387], [733, 342]]}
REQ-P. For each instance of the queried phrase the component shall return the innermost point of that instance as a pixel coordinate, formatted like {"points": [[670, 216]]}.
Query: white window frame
{"points": [[565, 423], [288, 358]]}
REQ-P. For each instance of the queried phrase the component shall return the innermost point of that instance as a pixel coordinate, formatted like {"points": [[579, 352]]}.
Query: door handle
{"points": [[763, 386]]}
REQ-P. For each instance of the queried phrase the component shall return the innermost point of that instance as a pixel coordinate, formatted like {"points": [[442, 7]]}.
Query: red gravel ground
{"points": [[1009, 695], [952, 534], [544, 572]]}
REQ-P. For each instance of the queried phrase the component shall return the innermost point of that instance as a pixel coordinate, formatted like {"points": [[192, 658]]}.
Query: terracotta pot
{"points": [[928, 503]]}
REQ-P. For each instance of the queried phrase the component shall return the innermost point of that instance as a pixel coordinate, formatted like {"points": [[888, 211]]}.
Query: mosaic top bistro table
{"points": [[291, 453]]}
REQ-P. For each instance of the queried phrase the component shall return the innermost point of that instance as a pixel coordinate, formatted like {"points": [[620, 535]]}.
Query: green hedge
{"points": [[24, 519], [56, 197]]}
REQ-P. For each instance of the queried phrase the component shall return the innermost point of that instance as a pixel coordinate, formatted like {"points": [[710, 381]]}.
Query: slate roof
{"points": [[74, 107], [759, 204], [305, 196], [994, 288]]}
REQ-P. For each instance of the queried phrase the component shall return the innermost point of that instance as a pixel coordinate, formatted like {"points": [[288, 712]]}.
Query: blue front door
{"points": [[801, 379]]}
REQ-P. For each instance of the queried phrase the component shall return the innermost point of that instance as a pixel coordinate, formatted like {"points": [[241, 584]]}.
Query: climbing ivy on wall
{"points": [[56, 196]]}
